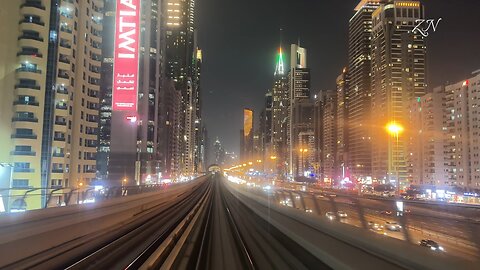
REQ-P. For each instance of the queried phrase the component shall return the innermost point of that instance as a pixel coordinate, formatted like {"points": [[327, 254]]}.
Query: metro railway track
{"points": [[123, 246], [207, 251], [146, 238]]}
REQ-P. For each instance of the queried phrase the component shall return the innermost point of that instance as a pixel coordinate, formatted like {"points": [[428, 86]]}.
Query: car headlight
{"points": [[433, 248], [441, 248]]}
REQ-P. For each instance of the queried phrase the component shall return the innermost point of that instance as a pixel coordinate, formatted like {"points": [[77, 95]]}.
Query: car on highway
{"points": [[342, 214], [308, 210], [331, 215], [431, 244], [376, 228], [393, 226], [387, 213]]}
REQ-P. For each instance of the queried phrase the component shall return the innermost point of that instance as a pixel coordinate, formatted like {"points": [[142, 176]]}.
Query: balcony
{"points": [[37, 22], [62, 91], [92, 145], [65, 45], [33, 4], [31, 70], [23, 170], [64, 76], [64, 60], [30, 53], [32, 37], [23, 153], [66, 30], [93, 94], [59, 139], [58, 154], [61, 107], [24, 102], [28, 86], [24, 136], [25, 119], [57, 170], [60, 123]]}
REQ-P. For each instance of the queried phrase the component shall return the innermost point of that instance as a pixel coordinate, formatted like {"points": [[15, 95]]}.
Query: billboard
{"points": [[125, 69]]}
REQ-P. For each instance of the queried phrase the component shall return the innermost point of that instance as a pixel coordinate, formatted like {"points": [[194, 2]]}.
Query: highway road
{"points": [[456, 234]]}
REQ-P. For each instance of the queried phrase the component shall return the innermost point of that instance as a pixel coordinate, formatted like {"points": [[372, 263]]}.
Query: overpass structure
{"points": [[208, 223]]}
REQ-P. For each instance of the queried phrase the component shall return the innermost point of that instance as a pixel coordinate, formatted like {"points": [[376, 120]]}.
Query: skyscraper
{"points": [[398, 76], [342, 127], [183, 67], [134, 119], [280, 114], [49, 121], [299, 90], [359, 89]]}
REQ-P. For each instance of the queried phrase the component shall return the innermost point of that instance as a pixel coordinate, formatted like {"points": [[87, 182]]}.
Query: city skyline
{"points": [[254, 52]]}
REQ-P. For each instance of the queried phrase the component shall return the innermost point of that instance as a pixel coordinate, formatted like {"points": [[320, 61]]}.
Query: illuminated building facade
{"points": [[280, 114], [342, 127], [246, 144], [462, 101], [359, 89], [183, 67], [397, 76], [49, 121], [299, 91]]}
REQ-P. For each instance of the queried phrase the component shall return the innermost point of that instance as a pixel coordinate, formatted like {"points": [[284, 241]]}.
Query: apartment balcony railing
{"points": [[31, 70], [25, 119], [24, 136], [23, 153], [23, 102], [33, 37]]}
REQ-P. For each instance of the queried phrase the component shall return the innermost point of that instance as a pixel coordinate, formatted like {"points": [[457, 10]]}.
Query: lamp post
{"points": [[394, 129]]}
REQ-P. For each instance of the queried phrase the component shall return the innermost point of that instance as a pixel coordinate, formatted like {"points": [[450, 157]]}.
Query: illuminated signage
{"points": [[125, 70]]}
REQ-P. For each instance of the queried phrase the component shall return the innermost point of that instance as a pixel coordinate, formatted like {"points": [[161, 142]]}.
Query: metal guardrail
{"points": [[16, 198]]}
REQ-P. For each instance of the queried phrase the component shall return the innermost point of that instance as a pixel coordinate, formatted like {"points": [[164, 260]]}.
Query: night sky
{"points": [[239, 40]]}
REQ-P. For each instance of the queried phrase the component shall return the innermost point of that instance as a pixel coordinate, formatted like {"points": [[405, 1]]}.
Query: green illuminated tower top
{"points": [[280, 68]]}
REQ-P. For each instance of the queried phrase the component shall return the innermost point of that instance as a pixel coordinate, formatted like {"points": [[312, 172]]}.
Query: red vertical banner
{"points": [[125, 67]]}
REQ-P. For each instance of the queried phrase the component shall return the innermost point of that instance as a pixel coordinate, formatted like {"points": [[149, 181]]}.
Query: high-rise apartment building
{"points": [[462, 101], [444, 136], [427, 138], [50, 84], [359, 89], [397, 76]]}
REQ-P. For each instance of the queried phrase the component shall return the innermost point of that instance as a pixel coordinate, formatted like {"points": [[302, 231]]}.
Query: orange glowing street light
{"points": [[394, 128], [250, 163], [273, 157]]}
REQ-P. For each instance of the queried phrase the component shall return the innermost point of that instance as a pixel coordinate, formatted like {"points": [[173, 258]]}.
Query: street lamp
{"points": [[394, 129]]}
